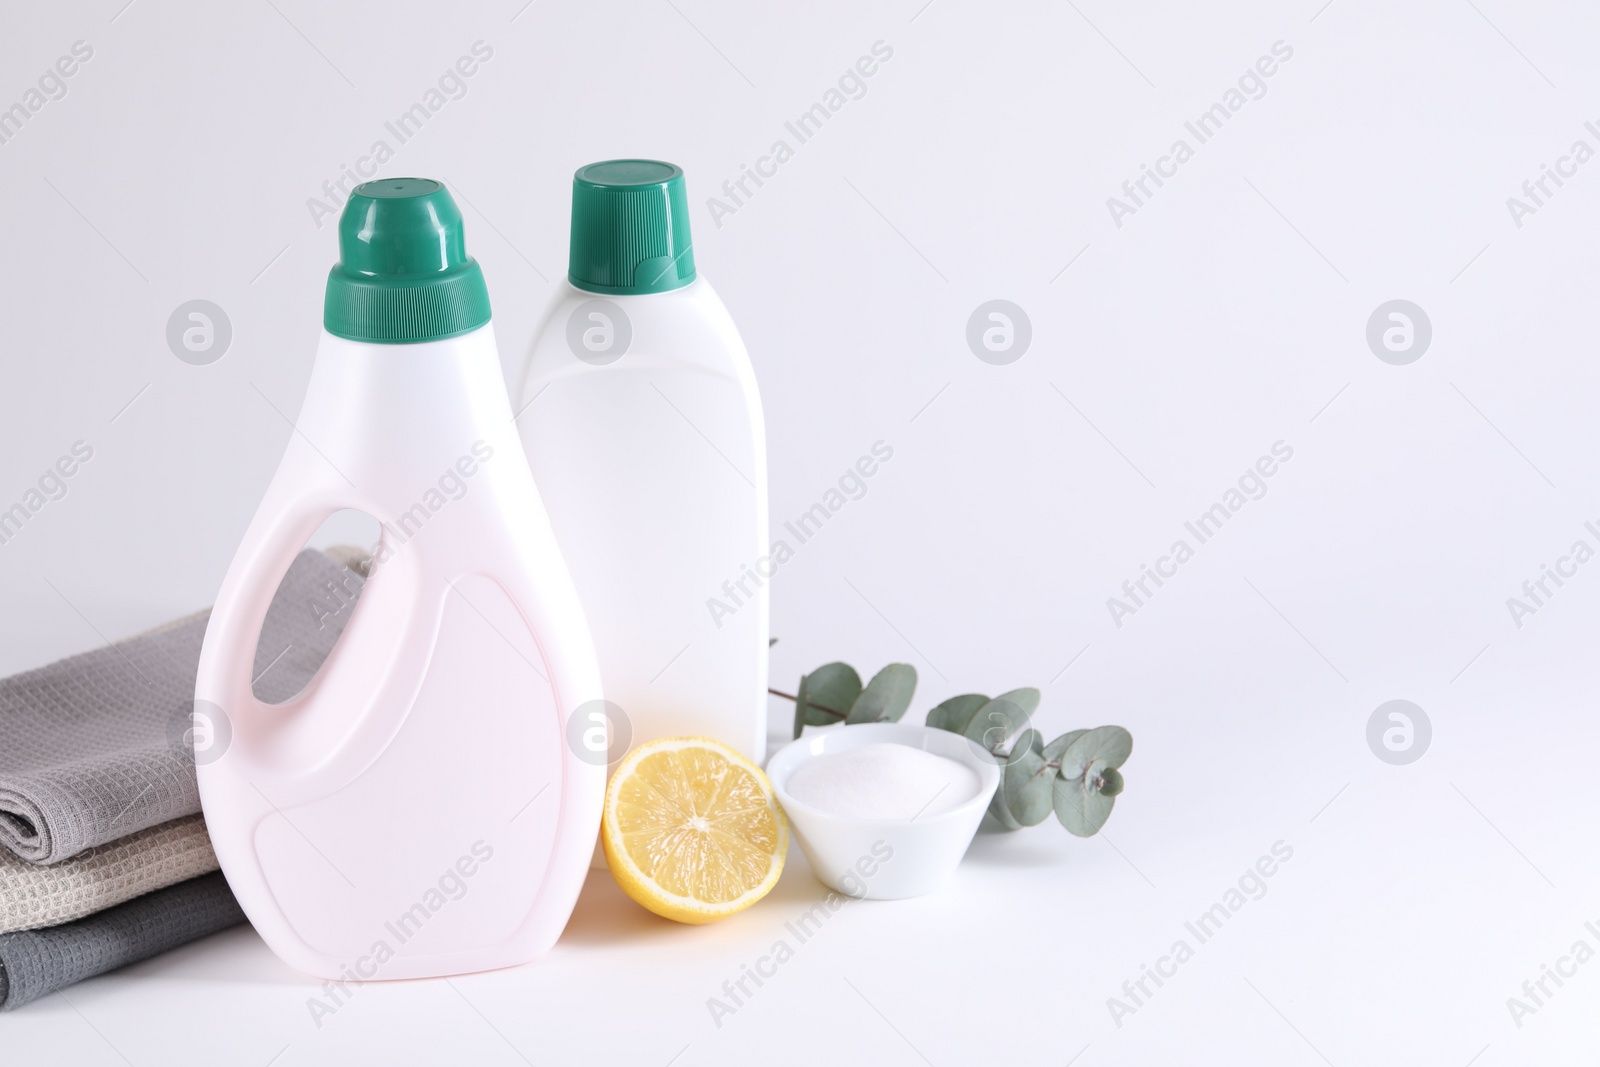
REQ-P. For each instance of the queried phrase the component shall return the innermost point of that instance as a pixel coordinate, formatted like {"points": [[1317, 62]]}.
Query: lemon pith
{"points": [[692, 830]]}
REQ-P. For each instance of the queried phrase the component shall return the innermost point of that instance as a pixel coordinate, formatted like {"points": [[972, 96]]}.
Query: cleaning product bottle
{"points": [[642, 423], [417, 810]]}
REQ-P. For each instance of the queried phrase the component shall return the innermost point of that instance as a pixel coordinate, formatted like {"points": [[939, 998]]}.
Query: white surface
{"points": [[1229, 313], [652, 462]]}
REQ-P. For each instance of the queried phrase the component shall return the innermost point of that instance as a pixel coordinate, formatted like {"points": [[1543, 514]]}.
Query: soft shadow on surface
{"points": [[1023, 849], [798, 886], [606, 916], [236, 955]]}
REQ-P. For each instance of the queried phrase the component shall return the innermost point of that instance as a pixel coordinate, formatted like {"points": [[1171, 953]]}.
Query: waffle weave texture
{"points": [[36, 963], [32, 895]]}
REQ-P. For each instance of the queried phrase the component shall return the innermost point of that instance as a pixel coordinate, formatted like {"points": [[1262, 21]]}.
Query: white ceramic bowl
{"points": [[884, 859]]}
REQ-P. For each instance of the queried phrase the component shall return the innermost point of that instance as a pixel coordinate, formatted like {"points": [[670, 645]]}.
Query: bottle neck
{"points": [[397, 398]]}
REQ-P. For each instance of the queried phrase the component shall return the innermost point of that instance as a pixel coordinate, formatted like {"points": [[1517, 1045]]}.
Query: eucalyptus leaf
{"points": [[1001, 810], [1080, 806], [826, 695], [1027, 781], [954, 714], [886, 697], [801, 719], [1109, 745], [1000, 719], [1028, 741], [1053, 751]]}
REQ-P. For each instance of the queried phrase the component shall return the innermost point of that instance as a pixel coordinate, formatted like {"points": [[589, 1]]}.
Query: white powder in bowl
{"points": [[883, 781]]}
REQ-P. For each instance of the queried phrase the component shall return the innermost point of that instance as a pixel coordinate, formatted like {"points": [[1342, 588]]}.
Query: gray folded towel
{"points": [[92, 747], [35, 963], [33, 895]]}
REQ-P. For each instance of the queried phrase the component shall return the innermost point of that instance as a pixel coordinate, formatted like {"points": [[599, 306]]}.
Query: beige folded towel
{"points": [[33, 896]]}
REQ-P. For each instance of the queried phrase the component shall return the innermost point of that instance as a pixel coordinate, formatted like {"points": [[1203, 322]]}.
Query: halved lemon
{"points": [[692, 829]]}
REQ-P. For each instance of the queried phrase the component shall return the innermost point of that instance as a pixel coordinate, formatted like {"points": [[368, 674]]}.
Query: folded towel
{"points": [[92, 748], [35, 963], [32, 895]]}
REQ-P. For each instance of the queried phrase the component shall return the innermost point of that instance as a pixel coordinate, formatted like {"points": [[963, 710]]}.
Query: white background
{"points": [[1229, 313]]}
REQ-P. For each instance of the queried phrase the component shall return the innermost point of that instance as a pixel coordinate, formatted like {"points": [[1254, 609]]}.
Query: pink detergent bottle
{"points": [[417, 810]]}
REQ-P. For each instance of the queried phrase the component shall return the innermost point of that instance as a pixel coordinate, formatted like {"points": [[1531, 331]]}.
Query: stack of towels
{"points": [[104, 858]]}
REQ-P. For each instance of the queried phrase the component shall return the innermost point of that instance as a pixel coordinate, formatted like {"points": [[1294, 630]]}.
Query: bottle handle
{"points": [[382, 655], [281, 528]]}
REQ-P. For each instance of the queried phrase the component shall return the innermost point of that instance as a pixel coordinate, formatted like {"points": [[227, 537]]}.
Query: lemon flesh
{"points": [[692, 829]]}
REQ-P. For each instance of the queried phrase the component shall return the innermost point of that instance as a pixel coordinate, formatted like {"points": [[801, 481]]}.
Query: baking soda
{"points": [[883, 781]]}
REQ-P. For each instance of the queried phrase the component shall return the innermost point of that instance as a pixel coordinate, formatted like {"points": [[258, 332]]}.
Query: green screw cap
{"points": [[403, 273], [630, 228]]}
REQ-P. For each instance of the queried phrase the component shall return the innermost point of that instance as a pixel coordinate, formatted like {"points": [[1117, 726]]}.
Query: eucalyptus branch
{"points": [[819, 707], [1077, 775]]}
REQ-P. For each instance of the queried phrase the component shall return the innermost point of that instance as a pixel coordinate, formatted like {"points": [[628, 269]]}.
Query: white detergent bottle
{"points": [[417, 810], [641, 420]]}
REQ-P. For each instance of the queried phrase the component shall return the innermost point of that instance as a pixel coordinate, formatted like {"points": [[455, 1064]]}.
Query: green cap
{"points": [[630, 228], [403, 273]]}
